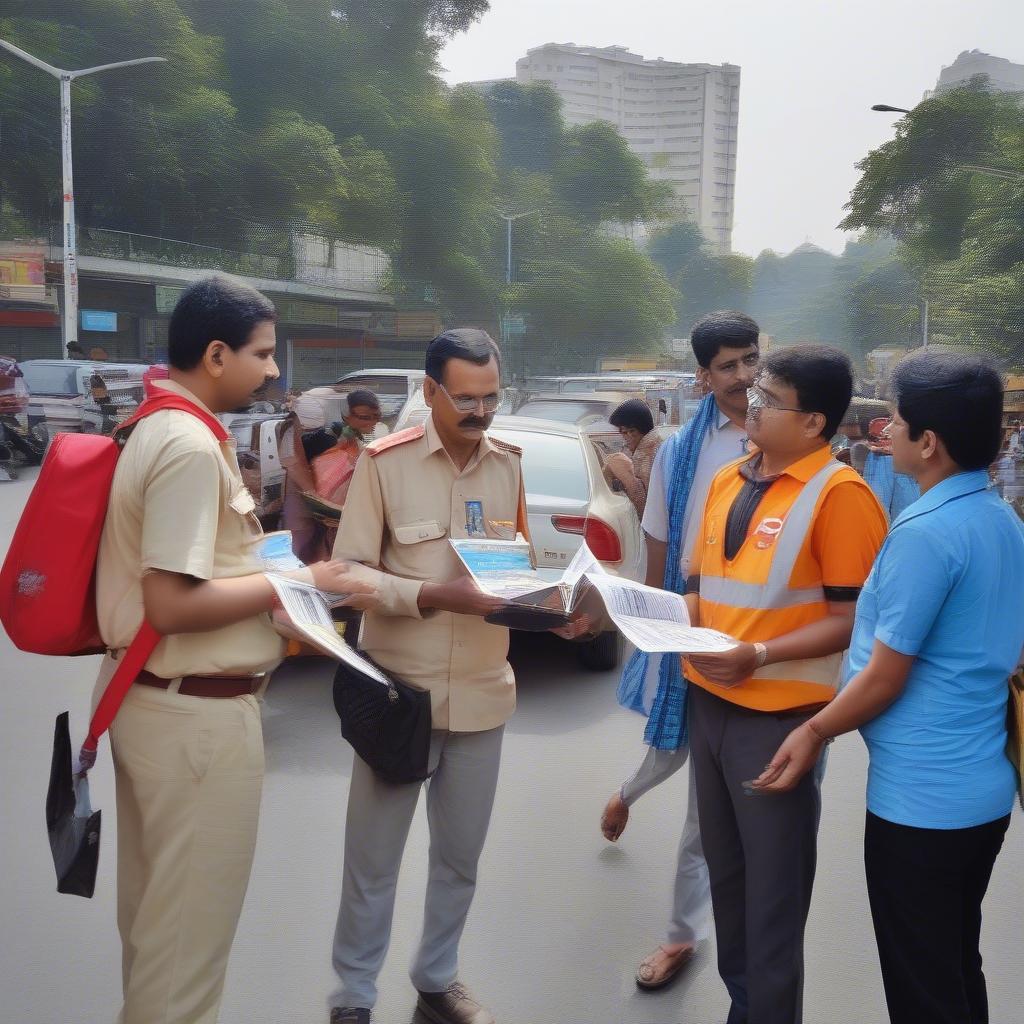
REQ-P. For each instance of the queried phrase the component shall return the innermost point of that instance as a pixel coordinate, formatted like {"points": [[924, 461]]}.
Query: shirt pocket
{"points": [[418, 533]]}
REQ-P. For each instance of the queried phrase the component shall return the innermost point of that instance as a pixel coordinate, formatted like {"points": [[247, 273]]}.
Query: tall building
{"points": [[1002, 75], [680, 119]]}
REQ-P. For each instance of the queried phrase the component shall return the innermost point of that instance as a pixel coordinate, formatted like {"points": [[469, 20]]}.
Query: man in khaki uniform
{"points": [[177, 548], [411, 492]]}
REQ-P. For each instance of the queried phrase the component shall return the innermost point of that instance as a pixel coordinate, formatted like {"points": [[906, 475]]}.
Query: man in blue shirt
{"points": [[937, 633]]}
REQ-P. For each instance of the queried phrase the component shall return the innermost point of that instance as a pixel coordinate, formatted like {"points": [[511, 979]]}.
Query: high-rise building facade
{"points": [[680, 119], [1003, 75]]}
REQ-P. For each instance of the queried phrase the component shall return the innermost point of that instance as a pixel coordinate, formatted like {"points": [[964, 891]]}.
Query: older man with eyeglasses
{"points": [[411, 492]]}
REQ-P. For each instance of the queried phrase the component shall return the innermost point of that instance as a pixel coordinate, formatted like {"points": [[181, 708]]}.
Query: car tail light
{"points": [[602, 540]]}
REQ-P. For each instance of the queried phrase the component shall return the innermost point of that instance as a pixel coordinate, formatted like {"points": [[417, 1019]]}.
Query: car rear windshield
{"points": [[564, 412], [553, 466], [50, 379]]}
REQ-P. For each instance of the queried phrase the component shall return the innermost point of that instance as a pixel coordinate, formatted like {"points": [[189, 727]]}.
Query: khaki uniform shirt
{"points": [[178, 503], [406, 499]]}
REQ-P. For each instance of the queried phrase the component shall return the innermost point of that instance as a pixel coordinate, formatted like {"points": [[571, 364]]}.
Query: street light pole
{"points": [[506, 338], [70, 239], [508, 218]]}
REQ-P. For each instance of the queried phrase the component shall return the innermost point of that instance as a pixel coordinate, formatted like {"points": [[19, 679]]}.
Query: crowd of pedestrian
{"points": [[906, 630]]}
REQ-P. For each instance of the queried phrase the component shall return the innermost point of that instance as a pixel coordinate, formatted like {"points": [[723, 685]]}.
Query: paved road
{"points": [[560, 918]]}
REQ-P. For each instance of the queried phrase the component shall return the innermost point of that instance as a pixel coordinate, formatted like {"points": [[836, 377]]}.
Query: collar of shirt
{"points": [[435, 444], [955, 486], [178, 389], [802, 470]]}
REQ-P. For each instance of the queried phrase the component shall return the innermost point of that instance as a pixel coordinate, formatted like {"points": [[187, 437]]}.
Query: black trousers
{"points": [[761, 854], [926, 886]]}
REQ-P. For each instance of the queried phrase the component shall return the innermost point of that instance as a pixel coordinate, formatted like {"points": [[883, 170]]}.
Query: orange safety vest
{"points": [[751, 597]]}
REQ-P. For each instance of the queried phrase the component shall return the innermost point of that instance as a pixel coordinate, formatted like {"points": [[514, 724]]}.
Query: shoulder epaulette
{"points": [[505, 446], [394, 440]]}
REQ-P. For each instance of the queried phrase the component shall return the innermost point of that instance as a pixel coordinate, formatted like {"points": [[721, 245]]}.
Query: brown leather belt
{"points": [[206, 686]]}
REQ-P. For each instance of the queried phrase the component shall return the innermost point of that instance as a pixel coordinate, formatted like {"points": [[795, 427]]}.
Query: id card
{"points": [[475, 518]]}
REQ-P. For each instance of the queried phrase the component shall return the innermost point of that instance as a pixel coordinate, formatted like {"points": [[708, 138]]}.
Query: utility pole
{"points": [[70, 238]]}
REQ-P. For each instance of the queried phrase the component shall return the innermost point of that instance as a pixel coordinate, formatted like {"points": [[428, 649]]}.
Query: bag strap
{"points": [[134, 659], [161, 400]]}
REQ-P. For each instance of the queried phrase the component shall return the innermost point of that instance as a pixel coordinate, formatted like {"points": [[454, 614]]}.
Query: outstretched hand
{"points": [[798, 754]]}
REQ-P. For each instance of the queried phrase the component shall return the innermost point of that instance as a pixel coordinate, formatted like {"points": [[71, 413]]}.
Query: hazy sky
{"points": [[811, 69]]}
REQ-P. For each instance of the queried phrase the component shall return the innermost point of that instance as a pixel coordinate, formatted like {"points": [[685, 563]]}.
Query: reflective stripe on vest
{"points": [[775, 593]]}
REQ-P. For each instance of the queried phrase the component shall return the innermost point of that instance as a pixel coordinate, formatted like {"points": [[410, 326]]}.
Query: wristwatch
{"points": [[761, 652]]}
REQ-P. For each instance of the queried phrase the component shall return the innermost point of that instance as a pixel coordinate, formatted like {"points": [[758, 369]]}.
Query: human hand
{"points": [[461, 596], [619, 465], [728, 667], [798, 754], [580, 625], [337, 577]]}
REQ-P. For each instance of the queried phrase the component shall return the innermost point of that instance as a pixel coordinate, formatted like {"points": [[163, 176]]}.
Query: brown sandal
{"points": [[650, 976]]}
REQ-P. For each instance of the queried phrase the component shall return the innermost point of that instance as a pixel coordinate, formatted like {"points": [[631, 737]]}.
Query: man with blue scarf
{"points": [[726, 347]]}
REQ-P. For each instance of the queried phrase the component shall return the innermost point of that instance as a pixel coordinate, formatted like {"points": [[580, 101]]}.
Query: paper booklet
{"points": [[310, 616], [655, 621]]}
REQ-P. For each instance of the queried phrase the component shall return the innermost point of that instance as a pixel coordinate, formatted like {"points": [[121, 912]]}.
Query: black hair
{"points": [[633, 413], [959, 397], [822, 377], [362, 397], [216, 308], [469, 343], [725, 328]]}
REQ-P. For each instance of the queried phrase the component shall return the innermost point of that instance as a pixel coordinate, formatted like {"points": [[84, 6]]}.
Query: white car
{"points": [[393, 389], [567, 500]]}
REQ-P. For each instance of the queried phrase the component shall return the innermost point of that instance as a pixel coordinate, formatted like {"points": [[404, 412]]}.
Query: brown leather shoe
{"points": [[455, 1005]]}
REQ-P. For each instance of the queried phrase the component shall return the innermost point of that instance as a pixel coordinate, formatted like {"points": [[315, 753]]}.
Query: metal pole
{"points": [[508, 255], [924, 322], [70, 237]]}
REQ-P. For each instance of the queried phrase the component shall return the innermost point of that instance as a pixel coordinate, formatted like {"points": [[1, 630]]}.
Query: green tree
{"points": [[960, 226]]}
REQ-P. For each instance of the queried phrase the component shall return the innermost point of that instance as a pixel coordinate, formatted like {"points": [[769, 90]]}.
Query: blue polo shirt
{"points": [[948, 588]]}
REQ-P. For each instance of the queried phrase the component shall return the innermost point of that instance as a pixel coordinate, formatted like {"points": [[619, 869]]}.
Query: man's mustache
{"points": [[476, 422]]}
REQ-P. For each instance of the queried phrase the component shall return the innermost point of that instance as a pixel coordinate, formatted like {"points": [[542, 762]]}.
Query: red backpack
{"points": [[48, 580]]}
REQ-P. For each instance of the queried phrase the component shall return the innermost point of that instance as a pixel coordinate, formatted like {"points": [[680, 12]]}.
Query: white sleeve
{"points": [[655, 520]]}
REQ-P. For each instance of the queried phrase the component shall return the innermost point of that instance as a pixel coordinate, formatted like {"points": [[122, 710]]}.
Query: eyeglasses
{"points": [[758, 398], [489, 403]]}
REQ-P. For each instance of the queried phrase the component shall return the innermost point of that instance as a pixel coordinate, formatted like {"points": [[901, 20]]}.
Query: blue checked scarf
{"points": [[666, 724]]}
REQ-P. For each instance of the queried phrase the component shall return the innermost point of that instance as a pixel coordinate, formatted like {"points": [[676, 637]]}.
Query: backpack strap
{"points": [[159, 400], [134, 658], [133, 661]]}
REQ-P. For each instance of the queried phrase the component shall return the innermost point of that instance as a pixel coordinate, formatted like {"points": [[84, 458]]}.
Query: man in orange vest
{"points": [[788, 538]]}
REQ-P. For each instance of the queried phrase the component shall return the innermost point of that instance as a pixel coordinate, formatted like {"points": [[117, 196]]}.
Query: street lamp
{"points": [[886, 109], [70, 237], [508, 218]]}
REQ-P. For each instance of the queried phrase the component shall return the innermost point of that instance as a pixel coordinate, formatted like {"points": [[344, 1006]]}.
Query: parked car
{"points": [[393, 389], [672, 396], [567, 501], [257, 438], [81, 395]]}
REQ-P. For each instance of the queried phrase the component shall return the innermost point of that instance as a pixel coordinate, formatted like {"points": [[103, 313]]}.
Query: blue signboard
{"points": [[99, 320]]}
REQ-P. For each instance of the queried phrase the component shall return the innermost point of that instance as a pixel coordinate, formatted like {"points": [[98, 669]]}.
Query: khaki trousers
{"points": [[189, 774]]}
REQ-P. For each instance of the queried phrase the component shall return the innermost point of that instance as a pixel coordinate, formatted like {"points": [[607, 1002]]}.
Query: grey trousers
{"points": [[691, 892], [761, 853], [460, 795]]}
